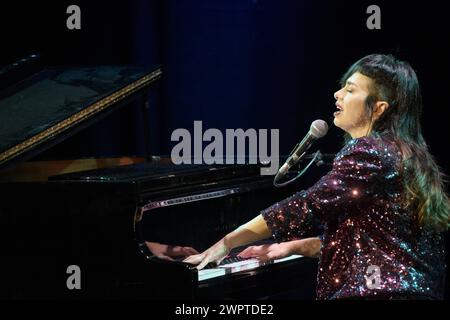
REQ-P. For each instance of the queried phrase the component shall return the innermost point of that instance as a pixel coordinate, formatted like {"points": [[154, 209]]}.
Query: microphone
{"points": [[318, 129]]}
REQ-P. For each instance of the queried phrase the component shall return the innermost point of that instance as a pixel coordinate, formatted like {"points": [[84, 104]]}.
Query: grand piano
{"points": [[102, 215]]}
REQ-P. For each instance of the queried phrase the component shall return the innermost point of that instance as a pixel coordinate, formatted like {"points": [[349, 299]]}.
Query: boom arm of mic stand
{"points": [[277, 176]]}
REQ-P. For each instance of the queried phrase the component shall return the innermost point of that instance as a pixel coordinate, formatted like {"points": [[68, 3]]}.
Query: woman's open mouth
{"points": [[339, 110]]}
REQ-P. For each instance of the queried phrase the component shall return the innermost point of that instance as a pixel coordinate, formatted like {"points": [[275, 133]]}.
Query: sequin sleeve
{"points": [[350, 183]]}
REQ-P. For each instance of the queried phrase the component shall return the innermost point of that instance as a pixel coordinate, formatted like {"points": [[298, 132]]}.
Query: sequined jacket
{"points": [[371, 244]]}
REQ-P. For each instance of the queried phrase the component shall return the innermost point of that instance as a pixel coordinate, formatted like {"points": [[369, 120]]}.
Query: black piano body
{"points": [[100, 217]]}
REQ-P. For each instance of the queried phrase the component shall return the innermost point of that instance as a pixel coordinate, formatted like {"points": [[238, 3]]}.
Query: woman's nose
{"points": [[337, 94]]}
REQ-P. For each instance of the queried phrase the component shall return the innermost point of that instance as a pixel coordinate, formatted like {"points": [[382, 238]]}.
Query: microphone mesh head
{"points": [[318, 128]]}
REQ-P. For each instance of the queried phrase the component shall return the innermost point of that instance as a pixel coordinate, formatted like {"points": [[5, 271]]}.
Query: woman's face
{"points": [[350, 100]]}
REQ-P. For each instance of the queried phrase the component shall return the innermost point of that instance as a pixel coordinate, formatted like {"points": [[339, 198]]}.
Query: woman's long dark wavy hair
{"points": [[395, 82]]}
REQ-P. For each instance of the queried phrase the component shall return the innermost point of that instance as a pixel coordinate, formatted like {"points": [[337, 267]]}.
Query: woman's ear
{"points": [[380, 107]]}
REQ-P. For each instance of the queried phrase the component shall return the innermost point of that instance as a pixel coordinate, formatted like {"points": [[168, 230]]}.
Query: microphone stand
{"points": [[318, 157]]}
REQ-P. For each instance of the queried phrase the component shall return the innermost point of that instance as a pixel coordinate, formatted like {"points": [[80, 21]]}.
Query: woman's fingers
{"points": [[203, 264], [254, 251], [263, 258], [263, 253], [194, 259], [216, 253], [209, 257], [271, 255], [246, 253]]}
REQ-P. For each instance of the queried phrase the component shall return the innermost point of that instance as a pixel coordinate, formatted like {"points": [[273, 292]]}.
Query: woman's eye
{"points": [[348, 90]]}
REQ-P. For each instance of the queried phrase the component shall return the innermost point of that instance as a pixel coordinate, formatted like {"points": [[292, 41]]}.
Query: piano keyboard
{"points": [[236, 264]]}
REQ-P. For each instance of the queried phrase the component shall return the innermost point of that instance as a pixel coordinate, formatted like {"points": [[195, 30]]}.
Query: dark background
{"points": [[233, 63]]}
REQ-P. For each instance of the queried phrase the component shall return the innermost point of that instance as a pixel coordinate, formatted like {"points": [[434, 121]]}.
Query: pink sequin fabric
{"points": [[372, 245]]}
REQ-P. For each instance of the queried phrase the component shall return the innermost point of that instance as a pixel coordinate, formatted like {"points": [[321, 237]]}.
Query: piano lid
{"points": [[54, 103]]}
